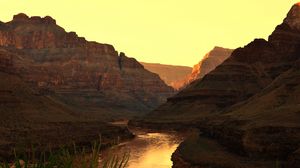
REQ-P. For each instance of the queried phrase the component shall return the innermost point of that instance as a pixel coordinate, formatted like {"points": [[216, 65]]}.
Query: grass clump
{"points": [[69, 158]]}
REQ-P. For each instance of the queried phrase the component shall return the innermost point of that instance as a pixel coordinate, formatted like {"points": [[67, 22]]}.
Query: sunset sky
{"points": [[177, 32]]}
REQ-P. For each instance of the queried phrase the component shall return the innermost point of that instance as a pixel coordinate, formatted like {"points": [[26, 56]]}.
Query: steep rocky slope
{"points": [[246, 72], [249, 104], [173, 75], [57, 88], [264, 130], [208, 63], [29, 118], [179, 76], [89, 75]]}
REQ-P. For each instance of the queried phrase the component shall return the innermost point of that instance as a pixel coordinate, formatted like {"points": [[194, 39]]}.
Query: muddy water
{"points": [[149, 150]]}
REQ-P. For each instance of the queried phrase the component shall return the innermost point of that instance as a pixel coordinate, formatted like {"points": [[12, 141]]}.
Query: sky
{"points": [[176, 32]]}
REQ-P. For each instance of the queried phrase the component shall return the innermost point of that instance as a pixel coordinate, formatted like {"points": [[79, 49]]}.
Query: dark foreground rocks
{"points": [[54, 136]]}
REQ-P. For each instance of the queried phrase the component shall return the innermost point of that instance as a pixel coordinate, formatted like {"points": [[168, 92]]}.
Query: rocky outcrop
{"points": [[208, 63], [172, 75], [245, 73], [200, 152], [238, 78], [89, 75], [250, 102]]}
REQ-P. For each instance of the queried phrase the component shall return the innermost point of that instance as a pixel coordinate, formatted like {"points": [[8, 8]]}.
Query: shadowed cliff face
{"points": [[86, 74], [245, 73], [249, 104], [173, 75], [29, 118], [57, 88]]}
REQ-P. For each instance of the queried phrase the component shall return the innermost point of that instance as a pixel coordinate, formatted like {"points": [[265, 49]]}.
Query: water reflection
{"points": [[150, 150]]}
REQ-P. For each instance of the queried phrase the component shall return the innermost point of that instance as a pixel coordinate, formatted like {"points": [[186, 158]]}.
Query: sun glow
{"points": [[176, 32]]}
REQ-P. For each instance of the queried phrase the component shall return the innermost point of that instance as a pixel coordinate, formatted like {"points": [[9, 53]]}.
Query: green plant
{"points": [[66, 158]]}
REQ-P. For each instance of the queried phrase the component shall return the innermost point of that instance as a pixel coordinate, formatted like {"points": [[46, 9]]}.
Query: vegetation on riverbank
{"points": [[78, 157]]}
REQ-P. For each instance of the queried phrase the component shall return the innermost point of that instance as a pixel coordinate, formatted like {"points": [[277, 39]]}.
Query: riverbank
{"points": [[148, 149], [54, 136], [243, 144], [199, 151], [154, 126]]}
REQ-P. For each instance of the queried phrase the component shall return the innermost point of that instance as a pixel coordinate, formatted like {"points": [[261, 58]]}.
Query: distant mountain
{"points": [[209, 62], [181, 76], [173, 75], [249, 104]]}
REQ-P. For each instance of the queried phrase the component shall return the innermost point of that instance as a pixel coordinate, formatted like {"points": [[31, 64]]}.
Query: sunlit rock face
{"points": [[80, 72], [179, 77], [286, 35], [208, 63], [293, 17]]}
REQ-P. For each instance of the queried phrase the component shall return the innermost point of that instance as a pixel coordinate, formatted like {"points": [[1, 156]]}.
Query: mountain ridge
{"points": [[79, 72], [208, 63], [249, 104], [58, 89]]}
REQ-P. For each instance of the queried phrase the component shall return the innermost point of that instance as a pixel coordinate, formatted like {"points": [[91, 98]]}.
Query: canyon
{"points": [[58, 88], [242, 105], [89, 74], [248, 105], [180, 76]]}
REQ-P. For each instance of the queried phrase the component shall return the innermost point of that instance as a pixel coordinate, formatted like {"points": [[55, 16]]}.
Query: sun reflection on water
{"points": [[150, 150]]}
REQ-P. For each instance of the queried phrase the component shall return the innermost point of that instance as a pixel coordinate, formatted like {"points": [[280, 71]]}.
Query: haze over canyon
{"points": [[235, 108]]}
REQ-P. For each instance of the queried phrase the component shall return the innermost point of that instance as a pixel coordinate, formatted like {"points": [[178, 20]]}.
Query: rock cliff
{"points": [[89, 75], [208, 63], [249, 103], [179, 77], [245, 73], [30, 119], [57, 88]]}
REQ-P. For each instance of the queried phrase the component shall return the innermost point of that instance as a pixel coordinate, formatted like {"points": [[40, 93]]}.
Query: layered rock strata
{"points": [[89, 74], [249, 103]]}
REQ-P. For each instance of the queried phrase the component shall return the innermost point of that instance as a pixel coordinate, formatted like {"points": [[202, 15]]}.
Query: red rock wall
{"points": [[51, 58]]}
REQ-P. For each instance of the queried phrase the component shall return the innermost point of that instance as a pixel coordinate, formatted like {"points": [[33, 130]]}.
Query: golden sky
{"points": [[177, 32]]}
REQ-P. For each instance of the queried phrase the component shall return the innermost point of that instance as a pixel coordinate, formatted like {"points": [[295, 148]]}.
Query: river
{"points": [[149, 150]]}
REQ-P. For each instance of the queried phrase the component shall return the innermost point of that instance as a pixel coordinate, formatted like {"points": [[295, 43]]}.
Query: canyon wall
{"points": [[173, 75], [208, 63], [249, 104], [180, 77], [89, 75]]}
